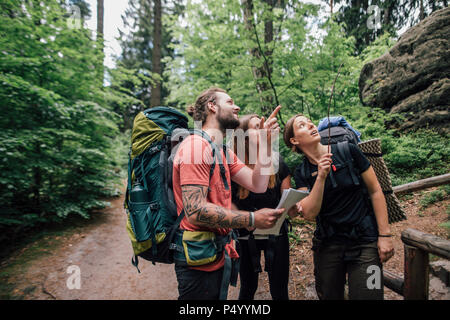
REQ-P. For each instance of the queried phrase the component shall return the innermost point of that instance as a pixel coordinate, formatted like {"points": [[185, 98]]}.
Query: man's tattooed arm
{"points": [[200, 212]]}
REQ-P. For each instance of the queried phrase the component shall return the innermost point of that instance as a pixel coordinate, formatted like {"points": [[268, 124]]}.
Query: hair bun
{"points": [[190, 110]]}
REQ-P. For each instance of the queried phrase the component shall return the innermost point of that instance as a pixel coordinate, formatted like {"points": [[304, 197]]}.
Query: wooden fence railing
{"points": [[422, 184], [418, 246]]}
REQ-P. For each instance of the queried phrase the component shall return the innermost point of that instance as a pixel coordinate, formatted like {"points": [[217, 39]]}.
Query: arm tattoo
{"points": [[208, 214], [194, 198]]}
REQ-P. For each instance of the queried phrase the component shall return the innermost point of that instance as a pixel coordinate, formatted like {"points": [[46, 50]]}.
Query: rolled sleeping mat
{"points": [[372, 150]]}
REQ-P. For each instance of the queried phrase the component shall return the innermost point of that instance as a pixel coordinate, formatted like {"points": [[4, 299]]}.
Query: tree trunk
{"points": [[259, 73], [268, 38], [100, 33], [421, 12], [155, 98], [331, 7], [388, 17], [100, 15], [262, 74], [248, 21], [387, 13], [367, 39]]}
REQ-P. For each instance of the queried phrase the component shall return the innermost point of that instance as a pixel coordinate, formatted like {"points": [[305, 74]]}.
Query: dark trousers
{"points": [[361, 263], [278, 271], [198, 285]]}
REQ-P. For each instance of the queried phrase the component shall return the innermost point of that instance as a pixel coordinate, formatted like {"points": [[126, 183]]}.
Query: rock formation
{"points": [[413, 78]]}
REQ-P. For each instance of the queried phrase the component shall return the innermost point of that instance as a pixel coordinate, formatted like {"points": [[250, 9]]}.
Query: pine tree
{"points": [[144, 50]]}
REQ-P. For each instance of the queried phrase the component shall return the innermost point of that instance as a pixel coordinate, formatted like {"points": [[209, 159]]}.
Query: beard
{"points": [[227, 122]]}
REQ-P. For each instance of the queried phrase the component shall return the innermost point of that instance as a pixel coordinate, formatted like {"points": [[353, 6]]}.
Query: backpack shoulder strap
{"points": [[305, 172], [344, 151], [222, 167], [223, 161], [215, 155]]}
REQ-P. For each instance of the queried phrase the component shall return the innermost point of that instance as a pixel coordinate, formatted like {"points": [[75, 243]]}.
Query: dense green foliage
{"points": [[56, 131]]}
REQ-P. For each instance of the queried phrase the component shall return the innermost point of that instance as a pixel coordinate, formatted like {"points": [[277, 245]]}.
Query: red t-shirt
{"points": [[191, 165]]}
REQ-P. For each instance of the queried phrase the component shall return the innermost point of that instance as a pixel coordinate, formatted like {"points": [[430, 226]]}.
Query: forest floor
{"points": [[100, 248]]}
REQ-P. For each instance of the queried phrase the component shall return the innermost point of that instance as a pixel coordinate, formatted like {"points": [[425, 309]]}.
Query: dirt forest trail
{"points": [[103, 252]]}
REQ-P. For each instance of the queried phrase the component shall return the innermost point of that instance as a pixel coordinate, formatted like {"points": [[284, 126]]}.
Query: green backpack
{"points": [[149, 201], [151, 211]]}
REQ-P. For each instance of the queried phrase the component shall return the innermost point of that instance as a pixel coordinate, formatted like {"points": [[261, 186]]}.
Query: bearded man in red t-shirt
{"points": [[206, 198]]}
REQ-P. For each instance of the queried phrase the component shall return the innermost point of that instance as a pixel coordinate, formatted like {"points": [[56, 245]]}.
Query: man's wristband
{"points": [[385, 235], [251, 222]]}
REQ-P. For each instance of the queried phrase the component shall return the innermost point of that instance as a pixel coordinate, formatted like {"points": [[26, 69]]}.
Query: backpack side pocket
{"points": [[142, 215]]}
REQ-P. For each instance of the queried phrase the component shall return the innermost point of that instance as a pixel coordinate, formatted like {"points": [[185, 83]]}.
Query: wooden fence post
{"points": [[416, 274]]}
